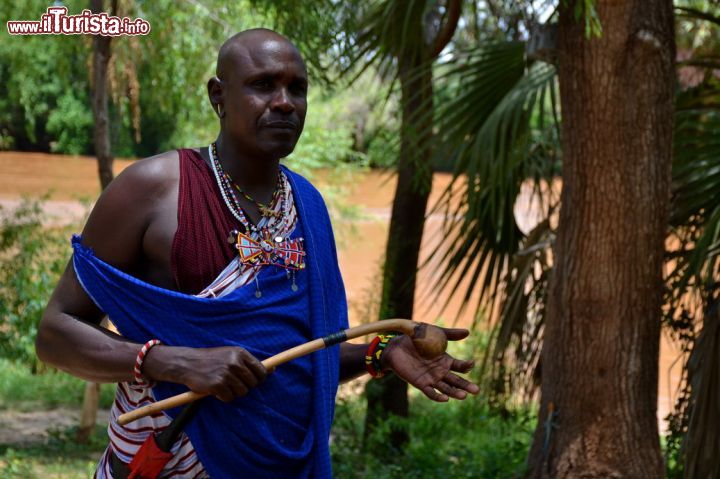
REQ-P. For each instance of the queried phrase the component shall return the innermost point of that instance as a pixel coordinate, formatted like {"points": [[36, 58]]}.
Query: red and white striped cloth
{"points": [[126, 440]]}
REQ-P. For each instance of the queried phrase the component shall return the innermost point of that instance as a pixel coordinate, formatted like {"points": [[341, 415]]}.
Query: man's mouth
{"points": [[281, 125]]}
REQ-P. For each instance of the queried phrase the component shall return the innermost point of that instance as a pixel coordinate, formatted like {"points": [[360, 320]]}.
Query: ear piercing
{"points": [[220, 111]]}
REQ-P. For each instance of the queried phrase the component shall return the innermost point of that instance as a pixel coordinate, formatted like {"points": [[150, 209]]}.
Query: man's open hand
{"points": [[436, 378]]}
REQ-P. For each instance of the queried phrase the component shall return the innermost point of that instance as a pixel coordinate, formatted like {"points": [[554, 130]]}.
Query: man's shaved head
{"points": [[238, 45], [260, 92]]}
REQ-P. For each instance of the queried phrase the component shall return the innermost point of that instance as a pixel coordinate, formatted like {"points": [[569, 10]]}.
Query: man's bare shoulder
{"points": [[151, 175], [128, 206]]}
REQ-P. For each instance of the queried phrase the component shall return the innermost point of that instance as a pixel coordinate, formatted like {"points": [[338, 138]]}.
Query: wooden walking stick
{"points": [[429, 340]]}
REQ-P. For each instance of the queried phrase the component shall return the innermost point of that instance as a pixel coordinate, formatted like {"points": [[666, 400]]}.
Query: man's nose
{"points": [[282, 102]]}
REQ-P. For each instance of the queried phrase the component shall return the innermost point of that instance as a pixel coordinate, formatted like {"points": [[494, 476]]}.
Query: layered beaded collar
{"points": [[266, 243], [275, 213]]}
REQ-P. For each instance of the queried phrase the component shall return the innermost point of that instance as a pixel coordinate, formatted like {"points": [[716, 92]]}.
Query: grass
{"points": [[20, 390], [464, 439], [458, 439], [59, 458]]}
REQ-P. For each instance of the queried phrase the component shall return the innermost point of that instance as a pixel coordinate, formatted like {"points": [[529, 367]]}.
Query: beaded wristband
{"points": [[375, 352], [139, 378]]}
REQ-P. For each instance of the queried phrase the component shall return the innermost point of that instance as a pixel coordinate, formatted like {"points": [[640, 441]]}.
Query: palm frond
{"points": [[385, 31], [695, 210], [694, 273], [702, 439], [499, 125], [487, 129], [515, 351]]}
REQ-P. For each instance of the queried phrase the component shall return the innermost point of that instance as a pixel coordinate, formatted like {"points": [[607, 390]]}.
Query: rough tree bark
{"points": [[388, 396], [101, 138], [600, 357], [101, 130]]}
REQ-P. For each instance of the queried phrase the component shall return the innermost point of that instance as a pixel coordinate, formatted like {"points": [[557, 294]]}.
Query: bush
{"points": [[32, 258], [460, 439], [71, 123]]}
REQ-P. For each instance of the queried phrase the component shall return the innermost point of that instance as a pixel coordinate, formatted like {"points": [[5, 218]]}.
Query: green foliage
{"points": [[585, 11], [32, 258], [327, 139], [383, 148], [157, 82], [71, 122], [458, 439], [43, 79], [60, 457], [21, 390], [672, 452]]}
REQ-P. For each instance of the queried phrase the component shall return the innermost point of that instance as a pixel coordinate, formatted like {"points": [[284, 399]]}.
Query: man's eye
{"points": [[299, 88], [263, 84]]}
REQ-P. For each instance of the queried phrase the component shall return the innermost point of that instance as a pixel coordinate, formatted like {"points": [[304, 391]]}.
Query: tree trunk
{"points": [[88, 415], [101, 130], [101, 138], [600, 357], [388, 396]]}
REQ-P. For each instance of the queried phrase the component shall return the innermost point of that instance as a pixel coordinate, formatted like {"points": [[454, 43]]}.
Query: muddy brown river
{"points": [[361, 240]]}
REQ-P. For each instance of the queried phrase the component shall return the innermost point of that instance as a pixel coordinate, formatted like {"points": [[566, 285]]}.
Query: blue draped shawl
{"points": [[249, 436]]}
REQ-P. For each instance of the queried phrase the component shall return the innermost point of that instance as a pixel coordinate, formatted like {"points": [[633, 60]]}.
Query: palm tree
{"points": [[692, 297], [498, 150], [402, 39]]}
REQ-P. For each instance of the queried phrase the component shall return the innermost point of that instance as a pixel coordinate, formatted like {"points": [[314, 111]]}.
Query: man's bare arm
{"points": [[352, 361], [69, 337]]}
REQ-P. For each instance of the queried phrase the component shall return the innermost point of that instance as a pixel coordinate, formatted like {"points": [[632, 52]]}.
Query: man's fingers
{"points": [[224, 394], [461, 383], [256, 367], [456, 334], [237, 386], [462, 366], [246, 376], [431, 393], [450, 391]]}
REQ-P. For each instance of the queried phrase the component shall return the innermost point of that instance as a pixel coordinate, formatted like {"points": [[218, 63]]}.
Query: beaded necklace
{"points": [[226, 192], [265, 210], [228, 187], [266, 242]]}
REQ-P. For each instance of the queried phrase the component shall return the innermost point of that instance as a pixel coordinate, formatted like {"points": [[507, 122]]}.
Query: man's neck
{"points": [[255, 175]]}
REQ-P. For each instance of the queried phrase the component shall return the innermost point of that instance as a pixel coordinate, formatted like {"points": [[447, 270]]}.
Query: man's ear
{"points": [[216, 95]]}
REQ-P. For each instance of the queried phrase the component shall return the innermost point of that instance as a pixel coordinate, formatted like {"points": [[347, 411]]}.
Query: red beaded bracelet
{"points": [[139, 378], [374, 354]]}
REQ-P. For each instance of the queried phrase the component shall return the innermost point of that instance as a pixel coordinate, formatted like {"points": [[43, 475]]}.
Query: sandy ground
{"points": [[35, 427]]}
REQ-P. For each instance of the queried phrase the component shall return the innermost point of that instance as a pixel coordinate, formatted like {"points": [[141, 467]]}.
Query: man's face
{"points": [[265, 97]]}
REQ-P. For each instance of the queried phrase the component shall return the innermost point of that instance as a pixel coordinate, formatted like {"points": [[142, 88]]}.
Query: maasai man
{"points": [[207, 259]]}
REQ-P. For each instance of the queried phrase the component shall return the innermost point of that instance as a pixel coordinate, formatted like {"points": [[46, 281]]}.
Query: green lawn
{"points": [[59, 458], [20, 390]]}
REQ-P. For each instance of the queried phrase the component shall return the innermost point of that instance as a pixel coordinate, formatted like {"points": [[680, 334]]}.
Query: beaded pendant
{"points": [[276, 251], [265, 245]]}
